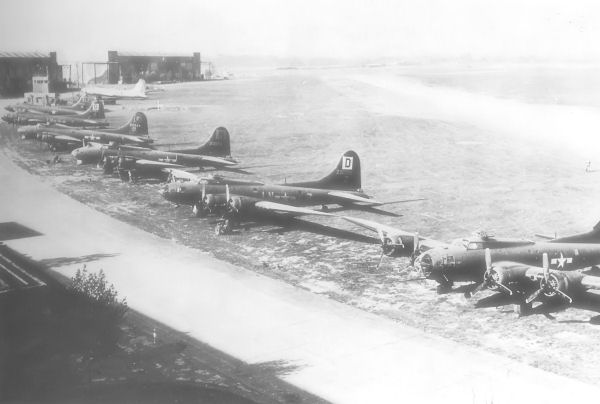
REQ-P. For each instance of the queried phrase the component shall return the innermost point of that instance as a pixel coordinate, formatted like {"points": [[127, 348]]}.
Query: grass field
{"points": [[461, 151]]}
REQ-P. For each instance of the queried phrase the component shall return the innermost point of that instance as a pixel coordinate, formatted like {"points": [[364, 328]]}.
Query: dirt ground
{"points": [[294, 125]]}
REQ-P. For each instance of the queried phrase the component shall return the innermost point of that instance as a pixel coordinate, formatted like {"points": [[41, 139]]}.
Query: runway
{"points": [[337, 352]]}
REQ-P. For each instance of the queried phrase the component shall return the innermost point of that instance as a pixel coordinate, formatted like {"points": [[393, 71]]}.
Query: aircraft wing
{"points": [[393, 232], [182, 174], [590, 282], [283, 208], [156, 164], [536, 273], [353, 198]]}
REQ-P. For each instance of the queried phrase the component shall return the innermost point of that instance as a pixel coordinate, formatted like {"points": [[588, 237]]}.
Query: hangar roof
{"points": [[155, 54], [5, 55]]}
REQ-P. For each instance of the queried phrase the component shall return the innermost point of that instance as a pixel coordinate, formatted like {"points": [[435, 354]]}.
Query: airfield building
{"points": [[17, 71], [131, 66]]}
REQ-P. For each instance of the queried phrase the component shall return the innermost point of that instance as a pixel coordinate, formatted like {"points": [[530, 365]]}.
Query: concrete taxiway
{"points": [[337, 352]]}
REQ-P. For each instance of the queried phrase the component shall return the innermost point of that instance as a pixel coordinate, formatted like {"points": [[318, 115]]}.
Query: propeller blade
{"points": [[380, 260], [203, 191], [488, 259], [563, 294], [227, 196], [510, 292], [533, 296], [545, 265], [416, 241], [381, 236], [477, 289]]}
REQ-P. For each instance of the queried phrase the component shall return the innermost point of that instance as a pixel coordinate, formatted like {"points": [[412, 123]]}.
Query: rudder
{"points": [[218, 145], [137, 125], [95, 111]]}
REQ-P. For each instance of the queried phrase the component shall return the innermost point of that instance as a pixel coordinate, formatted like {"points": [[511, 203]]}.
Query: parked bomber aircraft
{"points": [[134, 132], [518, 261], [137, 92], [238, 200], [138, 161], [88, 118], [73, 109]]}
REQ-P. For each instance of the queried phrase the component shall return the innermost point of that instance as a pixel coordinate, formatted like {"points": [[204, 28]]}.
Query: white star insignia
{"points": [[560, 262]]}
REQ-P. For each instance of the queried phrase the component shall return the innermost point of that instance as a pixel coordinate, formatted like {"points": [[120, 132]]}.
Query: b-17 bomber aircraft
{"points": [[60, 137], [237, 200], [135, 93], [503, 264], [73, 109], [92, 117], [145, 162]]}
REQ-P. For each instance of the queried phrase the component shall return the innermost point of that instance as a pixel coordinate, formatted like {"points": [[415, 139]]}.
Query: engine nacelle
{"points": [[398, 248], [555, 282], [126, 163], [239, 204], [212, 201], [499, 275]]}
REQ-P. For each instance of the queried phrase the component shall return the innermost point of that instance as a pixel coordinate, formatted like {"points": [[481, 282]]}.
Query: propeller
{"points": [[384, 241], [490, 278], [548, 286], [543, 281], [486, 275]]}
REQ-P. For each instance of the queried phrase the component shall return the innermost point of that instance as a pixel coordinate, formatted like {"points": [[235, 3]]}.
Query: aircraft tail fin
{"points": [[346, 176], [137, 125], [79, 103], [95, 111], [140, 87], [589, 237], [217, 145]]}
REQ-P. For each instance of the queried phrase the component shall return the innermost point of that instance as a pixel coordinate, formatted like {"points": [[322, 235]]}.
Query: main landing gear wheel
{"points": [[523, 308]]}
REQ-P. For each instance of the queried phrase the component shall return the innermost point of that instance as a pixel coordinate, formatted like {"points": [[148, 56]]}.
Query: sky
{"points": [[83, 30]]}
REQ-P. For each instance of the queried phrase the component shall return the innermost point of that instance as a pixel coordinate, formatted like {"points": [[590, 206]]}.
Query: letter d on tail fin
{"points": [[346, 175], [218, 145]]}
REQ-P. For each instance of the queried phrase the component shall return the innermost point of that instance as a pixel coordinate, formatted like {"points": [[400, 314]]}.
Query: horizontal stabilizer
{"points": [[354, 198], [218, 161]]}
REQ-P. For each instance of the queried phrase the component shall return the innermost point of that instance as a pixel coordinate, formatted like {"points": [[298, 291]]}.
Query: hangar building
{"points": [[18, 68], [131, 66]]}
